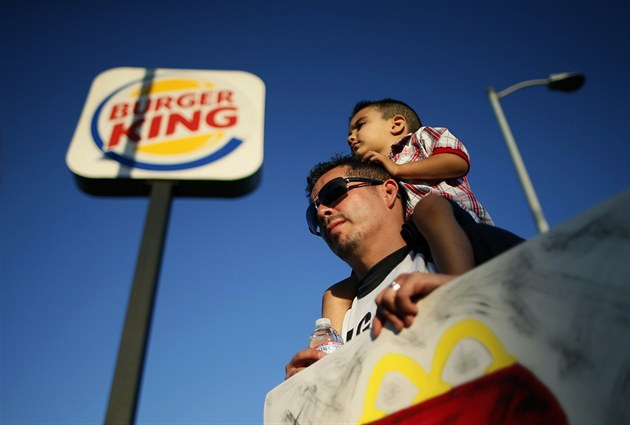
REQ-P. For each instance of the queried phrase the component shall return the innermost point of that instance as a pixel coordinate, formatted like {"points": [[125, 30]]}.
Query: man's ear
{"points": [[399, 126], [391, 192]]}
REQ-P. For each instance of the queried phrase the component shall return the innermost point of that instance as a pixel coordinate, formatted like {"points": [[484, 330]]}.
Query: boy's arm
{"points": [[337, 300], [439, 166]]}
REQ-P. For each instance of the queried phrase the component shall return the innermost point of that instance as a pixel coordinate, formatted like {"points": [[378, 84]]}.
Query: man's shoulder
{"points": [[403, 260], [417, 261]]}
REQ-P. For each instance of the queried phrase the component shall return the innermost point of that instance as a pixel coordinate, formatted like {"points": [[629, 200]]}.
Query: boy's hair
{"points": [[389, 108]]}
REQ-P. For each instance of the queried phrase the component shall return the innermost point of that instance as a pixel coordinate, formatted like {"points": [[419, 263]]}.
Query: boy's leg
{"points": [[450, 247]]}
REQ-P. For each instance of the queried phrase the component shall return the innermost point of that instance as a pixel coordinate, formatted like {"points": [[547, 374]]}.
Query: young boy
{"points": [[432, 165]]}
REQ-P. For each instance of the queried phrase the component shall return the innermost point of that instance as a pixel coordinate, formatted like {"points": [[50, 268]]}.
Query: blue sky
{"points": [[241, 279]]}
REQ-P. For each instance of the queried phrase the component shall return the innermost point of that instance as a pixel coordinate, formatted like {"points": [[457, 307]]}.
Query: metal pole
{"points": [[532, 199], [131, 354]]}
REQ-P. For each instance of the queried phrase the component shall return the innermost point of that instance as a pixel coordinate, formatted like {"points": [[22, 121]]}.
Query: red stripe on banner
{"points": [[512, 396]]}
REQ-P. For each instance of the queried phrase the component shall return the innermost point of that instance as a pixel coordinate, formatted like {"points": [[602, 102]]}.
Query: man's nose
{"points": [[324, 211]]}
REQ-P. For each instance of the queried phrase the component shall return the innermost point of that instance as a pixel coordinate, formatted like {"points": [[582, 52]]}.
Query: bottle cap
{"points": [[323, 322]]}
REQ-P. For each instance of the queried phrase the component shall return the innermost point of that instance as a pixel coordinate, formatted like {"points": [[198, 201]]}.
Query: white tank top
{"points": [[358, 318]]}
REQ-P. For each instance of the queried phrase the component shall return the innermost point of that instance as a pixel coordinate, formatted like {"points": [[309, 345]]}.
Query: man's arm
{"points": [[398, 306], [302, 360], [337, 300]]}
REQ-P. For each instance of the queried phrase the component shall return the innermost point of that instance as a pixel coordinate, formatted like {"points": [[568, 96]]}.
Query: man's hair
{"points": [[356, 168], [389, 108]]}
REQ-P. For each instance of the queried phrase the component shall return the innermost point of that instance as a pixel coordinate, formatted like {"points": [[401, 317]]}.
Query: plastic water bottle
{"points": [[325, 338]]}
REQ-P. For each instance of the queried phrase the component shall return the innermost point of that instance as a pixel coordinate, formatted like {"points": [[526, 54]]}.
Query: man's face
{"points": [[368, 131], [346, 223]]}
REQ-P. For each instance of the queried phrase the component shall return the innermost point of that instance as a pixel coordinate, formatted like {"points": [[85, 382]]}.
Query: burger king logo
{"points": [[170, 124]]}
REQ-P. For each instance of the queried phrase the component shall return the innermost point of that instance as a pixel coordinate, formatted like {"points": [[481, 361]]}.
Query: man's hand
{"points": [[301, 361], [397, 303]]}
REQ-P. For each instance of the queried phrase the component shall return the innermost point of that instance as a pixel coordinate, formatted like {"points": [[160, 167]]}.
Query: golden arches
{"points": [[430, 384]]}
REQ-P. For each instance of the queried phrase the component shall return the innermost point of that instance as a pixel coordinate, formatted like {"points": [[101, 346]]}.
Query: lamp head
{"points": [[566, 81]]}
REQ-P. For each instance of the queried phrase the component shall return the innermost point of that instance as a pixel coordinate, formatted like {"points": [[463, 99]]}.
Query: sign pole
{"points": [[126, 383], [182, 132]]}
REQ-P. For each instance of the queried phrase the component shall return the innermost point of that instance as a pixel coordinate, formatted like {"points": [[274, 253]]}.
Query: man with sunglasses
{"points": [[359, 211]]}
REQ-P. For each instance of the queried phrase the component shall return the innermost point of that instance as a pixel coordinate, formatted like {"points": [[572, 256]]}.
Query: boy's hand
{"points": [[379, 158]]}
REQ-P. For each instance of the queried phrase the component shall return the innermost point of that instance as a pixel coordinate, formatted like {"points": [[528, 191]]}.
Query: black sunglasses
{"points": [[332, 192]]}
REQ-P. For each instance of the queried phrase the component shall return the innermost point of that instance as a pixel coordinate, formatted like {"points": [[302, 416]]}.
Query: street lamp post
{"points": [[567, 81]]}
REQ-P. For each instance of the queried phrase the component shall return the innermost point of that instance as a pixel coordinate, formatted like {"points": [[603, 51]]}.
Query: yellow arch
{"points": [[430, 384]]}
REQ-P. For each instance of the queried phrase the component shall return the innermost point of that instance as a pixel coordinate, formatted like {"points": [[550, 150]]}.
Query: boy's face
{"points": [[368, 131]]}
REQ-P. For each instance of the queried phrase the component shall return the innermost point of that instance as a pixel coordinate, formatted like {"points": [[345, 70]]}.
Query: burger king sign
{"points": [[202, 129]]}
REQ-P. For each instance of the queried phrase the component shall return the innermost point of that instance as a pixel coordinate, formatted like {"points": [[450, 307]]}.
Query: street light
{"points": [[566, 81]]}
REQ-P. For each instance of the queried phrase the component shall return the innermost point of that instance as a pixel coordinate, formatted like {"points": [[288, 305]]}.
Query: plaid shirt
{"points": [[422, 144]]}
